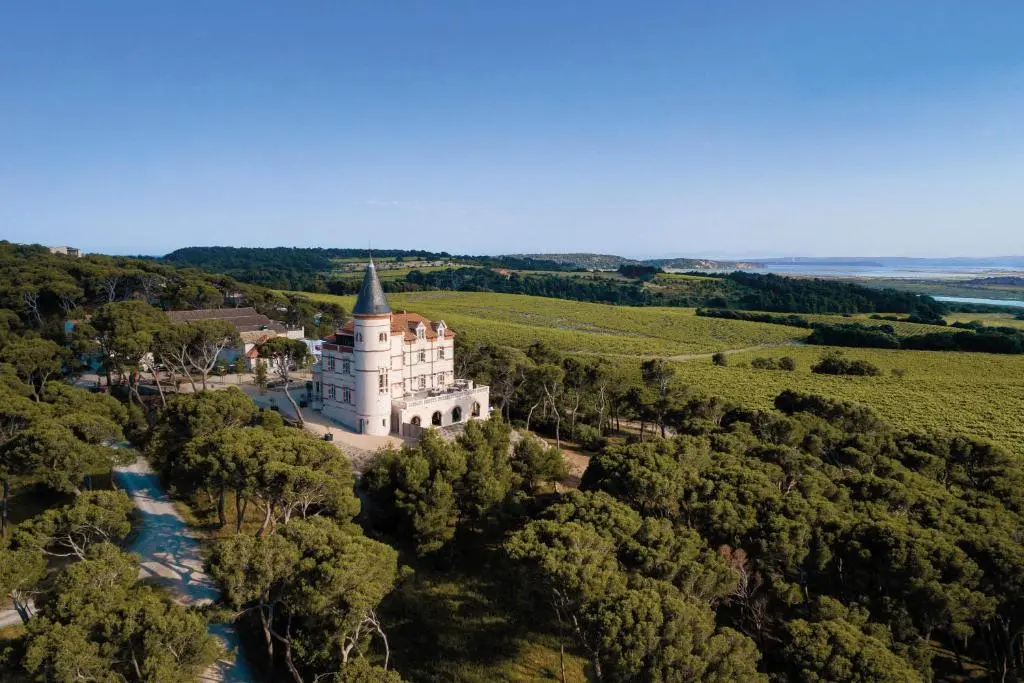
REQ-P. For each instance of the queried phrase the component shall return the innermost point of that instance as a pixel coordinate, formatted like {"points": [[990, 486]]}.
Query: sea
{"points": [[949, 269], [895, 267], [1014, 303]]}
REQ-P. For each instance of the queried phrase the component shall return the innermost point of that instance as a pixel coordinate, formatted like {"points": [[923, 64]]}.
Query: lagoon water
{"points": [[971, 300]]}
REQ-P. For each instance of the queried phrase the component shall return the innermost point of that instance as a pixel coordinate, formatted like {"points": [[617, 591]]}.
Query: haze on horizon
{"points": [[726, 129]]}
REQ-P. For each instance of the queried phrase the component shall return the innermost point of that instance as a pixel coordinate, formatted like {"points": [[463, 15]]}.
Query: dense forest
{"points": [[971, 337], [310, 270], [706, 541]]}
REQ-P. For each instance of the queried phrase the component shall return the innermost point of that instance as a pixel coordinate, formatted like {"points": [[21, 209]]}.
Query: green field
{"points": [[970, 393], [993, 319], [518, 320]]}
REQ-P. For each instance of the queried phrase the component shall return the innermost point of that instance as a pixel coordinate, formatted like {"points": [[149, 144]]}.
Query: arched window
{"points": [[435, 419], [416, 420], [456, 414], [359, 336], [476, 409], [382, 337]]}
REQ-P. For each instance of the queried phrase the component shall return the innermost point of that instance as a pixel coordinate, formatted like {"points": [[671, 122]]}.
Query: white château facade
{"points": [[392, 373]]}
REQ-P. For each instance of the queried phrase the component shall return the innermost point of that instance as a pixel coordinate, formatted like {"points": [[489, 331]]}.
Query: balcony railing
{"points": [[438, 396]]}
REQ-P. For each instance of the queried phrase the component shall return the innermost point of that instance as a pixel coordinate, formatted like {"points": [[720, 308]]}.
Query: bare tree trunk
{"points": [[221, 512], [298, 413], [3, 507], [266, 617], [159, 387], [287, 641], [21, 606], [241, 504], [529, 415], [266, 519], [31, 300], [561, 644]]}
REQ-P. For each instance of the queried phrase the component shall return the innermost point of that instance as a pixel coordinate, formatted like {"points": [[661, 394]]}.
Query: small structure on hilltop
{"points": [[253, 328], [393, 373]]}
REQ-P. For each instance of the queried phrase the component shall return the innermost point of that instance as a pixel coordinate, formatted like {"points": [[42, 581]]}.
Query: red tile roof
{"points": [[404, 324]]}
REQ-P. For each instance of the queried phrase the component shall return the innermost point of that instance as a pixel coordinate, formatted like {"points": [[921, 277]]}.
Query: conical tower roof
{"points": [[371, 300]]}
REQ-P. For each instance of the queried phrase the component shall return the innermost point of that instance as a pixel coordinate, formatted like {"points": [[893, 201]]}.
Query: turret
{"points": [[372, 356]]}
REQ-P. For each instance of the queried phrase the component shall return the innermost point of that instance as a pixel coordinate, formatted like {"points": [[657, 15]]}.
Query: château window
{"points": [[440, 352], [346, 367], [359, 337], [382, 337], [330, 391], [423, 382], [330, 363], [423, 356], [346, 395], [382, 381]]}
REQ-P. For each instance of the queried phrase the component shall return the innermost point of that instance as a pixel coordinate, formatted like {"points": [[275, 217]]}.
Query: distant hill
{"points": [[700, 264], [583, 260], [612, 262]]}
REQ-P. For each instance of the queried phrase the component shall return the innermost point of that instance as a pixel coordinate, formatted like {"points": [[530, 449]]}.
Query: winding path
{"points": [[171, 557]]}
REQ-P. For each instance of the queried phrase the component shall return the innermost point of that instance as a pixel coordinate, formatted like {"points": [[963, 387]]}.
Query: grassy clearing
{"points": [[451, 627], [970, 393], [518, 320], [993, 319]]}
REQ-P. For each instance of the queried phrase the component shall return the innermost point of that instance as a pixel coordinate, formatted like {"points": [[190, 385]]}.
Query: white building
{"points": [[393, 373], [253, 330]]}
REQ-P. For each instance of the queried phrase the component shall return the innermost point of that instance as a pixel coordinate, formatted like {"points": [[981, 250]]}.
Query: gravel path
{"points": [[171, 558]]}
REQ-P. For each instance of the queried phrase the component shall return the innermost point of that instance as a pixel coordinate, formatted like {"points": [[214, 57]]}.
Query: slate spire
{"points": [[371, 300]]}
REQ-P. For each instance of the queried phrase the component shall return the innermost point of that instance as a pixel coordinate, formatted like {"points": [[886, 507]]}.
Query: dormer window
{"points": [[421, 331]]}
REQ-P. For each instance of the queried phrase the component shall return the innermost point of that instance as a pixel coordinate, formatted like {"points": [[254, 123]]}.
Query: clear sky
{"points": [[683, 127]]}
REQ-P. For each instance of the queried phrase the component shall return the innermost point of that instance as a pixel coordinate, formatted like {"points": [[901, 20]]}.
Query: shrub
{"points": [[855, 334], [787, 363], [719, 359], [589, 438], [763, 364], [836, 364]]}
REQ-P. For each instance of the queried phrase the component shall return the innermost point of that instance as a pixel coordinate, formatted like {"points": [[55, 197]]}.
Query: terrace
{"points": [[462, 388]]}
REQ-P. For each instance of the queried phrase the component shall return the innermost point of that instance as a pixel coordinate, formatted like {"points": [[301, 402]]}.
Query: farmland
{"points": [[974, 393], [517, 320], [970, 393]]}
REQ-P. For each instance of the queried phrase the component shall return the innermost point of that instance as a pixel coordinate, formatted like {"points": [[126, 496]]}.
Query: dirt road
{"points": [[171, 558]]}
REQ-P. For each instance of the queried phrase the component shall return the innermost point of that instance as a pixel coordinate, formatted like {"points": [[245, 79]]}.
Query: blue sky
{"points": [[719, 128]]}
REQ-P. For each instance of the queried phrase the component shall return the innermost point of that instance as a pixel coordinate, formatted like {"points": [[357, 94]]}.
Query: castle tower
{"points": [[372, 356]]}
